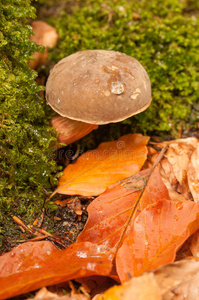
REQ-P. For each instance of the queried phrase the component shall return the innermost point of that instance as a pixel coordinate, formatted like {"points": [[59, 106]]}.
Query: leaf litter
{"points": [[136, 224]]}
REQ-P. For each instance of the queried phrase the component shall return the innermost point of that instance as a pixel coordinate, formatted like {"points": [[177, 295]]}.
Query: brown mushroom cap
{"points": [[98, 87]]}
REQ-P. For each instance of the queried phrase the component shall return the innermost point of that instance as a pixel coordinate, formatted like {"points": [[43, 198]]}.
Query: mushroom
{"points": [[96, 87]]}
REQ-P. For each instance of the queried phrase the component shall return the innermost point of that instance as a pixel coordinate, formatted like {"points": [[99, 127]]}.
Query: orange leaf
{"points": [[157, 233], [109, 213], [95, 170], [36, 264]]}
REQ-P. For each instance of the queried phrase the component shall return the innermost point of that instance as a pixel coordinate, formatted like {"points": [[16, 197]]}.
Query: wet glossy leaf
{"points": [[36, 264], [109, 213], [156, 235]]}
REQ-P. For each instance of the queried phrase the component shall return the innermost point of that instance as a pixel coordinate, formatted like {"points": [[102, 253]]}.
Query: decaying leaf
{"points": [[95, 170], [179, 281], [44, 294], [193, 174], [176, 281], [176, 168], [36, 264], [140, 288], [133, 227]]}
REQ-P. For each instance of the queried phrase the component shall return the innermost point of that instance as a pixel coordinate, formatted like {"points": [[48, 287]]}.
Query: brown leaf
{"points": [[140, 288], [95, 170], [174, 168], [44, 294], [176, 281], [36, 264], [193, 174], [179, 280]]}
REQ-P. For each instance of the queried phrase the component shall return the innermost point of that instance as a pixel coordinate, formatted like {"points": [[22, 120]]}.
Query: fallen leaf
{"points": [[176, 196], [193, 174], [36, 264], [140, 288], [109, 213], [176, 165], [95, 170], [44, 294], [176, 281], [168, 175], [179, 280], [155, 232], [156, 235], [189, 141]]}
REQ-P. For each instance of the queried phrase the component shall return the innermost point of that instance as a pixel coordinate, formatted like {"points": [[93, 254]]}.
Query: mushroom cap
{"points": [[98, 87]]}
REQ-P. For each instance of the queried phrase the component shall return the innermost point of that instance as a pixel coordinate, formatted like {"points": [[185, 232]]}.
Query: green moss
{"points": [[158, 34], [25, 134]]}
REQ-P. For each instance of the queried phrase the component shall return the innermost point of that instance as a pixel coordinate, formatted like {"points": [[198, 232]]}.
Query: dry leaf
{"points": [[190, 141], [179, 281], [176, 165], [193, 174], [95, 170], [176, 281], [44, 294], [140, 288]]}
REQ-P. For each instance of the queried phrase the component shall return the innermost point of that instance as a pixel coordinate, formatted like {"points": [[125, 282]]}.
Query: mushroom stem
{"points": [[71, 130]]}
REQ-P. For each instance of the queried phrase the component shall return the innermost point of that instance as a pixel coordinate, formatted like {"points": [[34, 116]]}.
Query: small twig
{"points": [[22, 224], [41, 233]]}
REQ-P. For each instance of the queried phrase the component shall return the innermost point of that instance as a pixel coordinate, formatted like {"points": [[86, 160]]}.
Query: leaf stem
{"points": [[158, 159]]}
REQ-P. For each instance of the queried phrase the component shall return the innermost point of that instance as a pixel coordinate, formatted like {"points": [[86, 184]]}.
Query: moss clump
{"points": [[25, 134], [159, 35]]}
